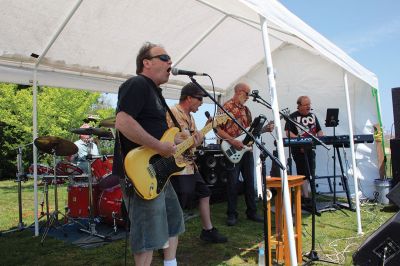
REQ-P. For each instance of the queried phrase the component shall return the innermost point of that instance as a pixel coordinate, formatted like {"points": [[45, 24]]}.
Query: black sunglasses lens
{"points": [[164, 57]]}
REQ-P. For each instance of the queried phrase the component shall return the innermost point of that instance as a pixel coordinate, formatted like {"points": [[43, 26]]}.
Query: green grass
{"points": [[336, 236]]}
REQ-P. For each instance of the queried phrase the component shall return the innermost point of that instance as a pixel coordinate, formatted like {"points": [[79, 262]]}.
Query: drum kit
{"points": [[92, 193]]}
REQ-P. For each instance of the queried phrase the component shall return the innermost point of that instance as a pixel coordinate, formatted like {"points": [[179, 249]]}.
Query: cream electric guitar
{"points": [[149, 171], [234, 155]]}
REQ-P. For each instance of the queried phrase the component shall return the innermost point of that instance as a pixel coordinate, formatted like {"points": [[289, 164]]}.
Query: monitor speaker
{"points": [[382, 247]]}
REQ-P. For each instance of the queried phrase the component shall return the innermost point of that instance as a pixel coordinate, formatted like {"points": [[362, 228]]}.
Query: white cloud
{"points": [[369, 37]]}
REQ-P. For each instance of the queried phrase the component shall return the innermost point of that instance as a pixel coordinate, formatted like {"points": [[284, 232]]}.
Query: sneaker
{"points": [[255, 218], [212, 236], [231, 221]]}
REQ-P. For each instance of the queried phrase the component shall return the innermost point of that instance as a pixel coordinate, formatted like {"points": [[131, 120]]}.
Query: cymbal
{"points": [[102, 133], [108, 122], [59, 146]]}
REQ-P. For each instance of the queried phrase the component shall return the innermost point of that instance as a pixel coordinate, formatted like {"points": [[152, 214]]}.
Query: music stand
{"points": [[332, 118], [333, 121]]}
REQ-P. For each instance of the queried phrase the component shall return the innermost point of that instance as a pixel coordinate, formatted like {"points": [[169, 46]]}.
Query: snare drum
{"points": [[102, 167], [67, 168], [111, 206], [78, 200], [42, 169]]}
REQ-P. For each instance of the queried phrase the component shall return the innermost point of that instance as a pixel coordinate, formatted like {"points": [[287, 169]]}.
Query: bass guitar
{"points": [[256, 128], [149, 171]]}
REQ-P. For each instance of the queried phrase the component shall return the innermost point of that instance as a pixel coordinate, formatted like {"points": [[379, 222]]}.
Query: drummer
{"points": [[80, 158]]}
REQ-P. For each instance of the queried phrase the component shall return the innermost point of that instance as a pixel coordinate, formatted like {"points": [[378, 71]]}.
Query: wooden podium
{"points": [[280, 238]]}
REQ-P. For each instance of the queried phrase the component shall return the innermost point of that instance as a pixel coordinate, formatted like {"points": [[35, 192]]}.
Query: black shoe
{"points": [[212, 236], [255, 218], [231, 221]]}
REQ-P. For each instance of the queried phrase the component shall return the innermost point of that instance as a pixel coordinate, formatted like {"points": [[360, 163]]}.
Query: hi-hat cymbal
{"points": [[59, 146], [108, 122], [102, 133]]}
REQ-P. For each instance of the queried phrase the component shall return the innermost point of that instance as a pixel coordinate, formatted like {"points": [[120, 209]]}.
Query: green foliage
{"points": [[58, 109]]}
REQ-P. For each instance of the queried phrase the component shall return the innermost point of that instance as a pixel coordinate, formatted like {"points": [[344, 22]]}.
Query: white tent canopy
{"points": [[92, 45]]}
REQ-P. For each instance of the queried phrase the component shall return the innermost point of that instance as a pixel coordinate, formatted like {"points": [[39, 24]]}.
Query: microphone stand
{"points": [[265, 153]]}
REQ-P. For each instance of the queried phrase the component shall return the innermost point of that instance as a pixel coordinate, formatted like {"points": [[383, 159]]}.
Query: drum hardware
{"points": [[20, 177], [57, 147], [91, 228]]}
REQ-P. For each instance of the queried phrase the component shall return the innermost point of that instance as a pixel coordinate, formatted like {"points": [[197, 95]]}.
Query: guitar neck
{"points": [[186, 144]]}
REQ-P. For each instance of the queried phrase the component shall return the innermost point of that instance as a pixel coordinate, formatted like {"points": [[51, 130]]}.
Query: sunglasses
{"points": [[162, 57], [247, 93]]}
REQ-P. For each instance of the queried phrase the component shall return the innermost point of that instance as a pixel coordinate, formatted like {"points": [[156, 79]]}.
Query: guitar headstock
{"points": [[220, 119], [286, 111]]}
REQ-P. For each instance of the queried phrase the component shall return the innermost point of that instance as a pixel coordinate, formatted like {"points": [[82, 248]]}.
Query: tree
{"points": [[59, 110]]}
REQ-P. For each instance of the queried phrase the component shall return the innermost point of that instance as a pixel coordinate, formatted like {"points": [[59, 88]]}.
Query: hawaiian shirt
{"points": [[242, 115], [187, 125]]}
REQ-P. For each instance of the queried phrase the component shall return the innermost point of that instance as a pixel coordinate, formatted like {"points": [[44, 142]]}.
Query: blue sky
{"points": [[367, 30]]}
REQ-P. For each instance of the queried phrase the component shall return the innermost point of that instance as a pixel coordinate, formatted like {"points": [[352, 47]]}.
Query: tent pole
{"points": [[34, 123], [281, 154], [34, 116], [353, 156]]}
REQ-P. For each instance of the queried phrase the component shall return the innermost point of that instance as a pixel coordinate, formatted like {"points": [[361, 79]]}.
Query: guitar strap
{"points": [[127, 182], [162, 99]]}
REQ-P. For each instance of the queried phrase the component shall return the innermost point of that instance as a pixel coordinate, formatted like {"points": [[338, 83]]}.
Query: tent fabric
{"points": [[97, 48], [102, 38]]}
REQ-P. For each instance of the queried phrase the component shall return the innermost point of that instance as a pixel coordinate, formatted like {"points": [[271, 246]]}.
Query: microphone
{"points": [[207, 113], [176, 71], [254, 94]]}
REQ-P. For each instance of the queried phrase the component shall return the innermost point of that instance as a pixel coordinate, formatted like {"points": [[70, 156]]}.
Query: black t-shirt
{"points": [[139, 97], [309, 121]]}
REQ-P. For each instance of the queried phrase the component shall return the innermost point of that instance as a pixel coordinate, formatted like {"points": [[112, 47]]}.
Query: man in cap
{"points": [[189, 182]]}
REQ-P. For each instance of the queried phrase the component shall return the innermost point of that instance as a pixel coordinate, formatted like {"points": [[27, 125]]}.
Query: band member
{"points": [[141, 121], [189, 181], [229, 132], [84, 144], [309, 121]]}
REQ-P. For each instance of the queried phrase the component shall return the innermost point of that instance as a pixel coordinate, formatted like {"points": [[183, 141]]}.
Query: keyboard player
{"points": [[309, 121]]}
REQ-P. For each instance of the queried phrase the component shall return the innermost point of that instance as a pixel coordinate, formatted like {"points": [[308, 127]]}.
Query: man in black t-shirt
{"points": [[141, 121], [309, 121]]}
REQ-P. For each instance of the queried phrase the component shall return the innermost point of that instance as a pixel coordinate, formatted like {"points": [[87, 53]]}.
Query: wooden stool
{"points": [[280, 238]]}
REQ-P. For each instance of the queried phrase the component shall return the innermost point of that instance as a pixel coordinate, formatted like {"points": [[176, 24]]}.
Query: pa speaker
{"points": [[382, 247], [396, 111], [395, 158], [394, 195]]}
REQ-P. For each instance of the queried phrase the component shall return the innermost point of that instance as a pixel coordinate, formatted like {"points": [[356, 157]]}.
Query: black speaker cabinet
{"points": [[396, 111], [395, 158], [382, 247], [394, 195], [214, 167]]}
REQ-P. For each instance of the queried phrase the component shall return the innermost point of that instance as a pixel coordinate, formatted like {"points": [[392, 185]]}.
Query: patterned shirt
{"points": [[242, 115], [187, 125]]}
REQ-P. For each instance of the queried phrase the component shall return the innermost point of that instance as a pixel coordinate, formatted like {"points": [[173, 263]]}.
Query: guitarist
{"points": [[189, 182], [141, 121], [229, 131]]}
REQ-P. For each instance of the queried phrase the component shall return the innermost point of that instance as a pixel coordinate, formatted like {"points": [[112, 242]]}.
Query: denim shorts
{"points": [[154, 221]]}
